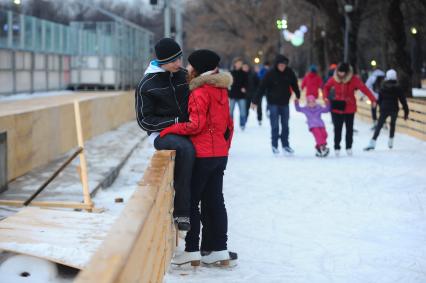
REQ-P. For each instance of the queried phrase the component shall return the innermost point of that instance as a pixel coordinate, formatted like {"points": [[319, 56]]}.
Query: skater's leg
{"points": [[284, 112], [338, 125], [198, 185], [273, 116], [215, 204], [382, 119], [394, 117], [349, 126], [185, 155]]}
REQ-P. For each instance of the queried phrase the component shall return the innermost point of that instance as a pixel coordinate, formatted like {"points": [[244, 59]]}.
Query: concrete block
{"points": [[6, 81], [90, 76], [92, 62], [5, 59], [54, 80], [23, 81], [109, 77], [40, 82], [40, 63]]}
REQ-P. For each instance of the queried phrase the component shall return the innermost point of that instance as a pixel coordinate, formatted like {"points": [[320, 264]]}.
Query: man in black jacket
{"points": [[161, 99], [277, 85]]}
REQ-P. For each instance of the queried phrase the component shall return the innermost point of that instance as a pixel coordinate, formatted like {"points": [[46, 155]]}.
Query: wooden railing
{"points": [[414, 126], [141, 242]]}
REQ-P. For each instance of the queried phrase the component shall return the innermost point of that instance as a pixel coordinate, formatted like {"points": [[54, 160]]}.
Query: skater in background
{"points": [[252, 84], [389, 95], [313, 112], [238, 91], [374, 83], [312, 82], [210, 129], [343, 103], [278, 85]]}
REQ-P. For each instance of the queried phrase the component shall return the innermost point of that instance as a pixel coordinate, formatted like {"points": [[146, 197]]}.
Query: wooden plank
{"points": [[83, 163], [57, 204], [65, 237], [141, 232]]}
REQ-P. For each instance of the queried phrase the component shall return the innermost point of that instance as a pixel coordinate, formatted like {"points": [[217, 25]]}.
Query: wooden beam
{"points": [[83, 164], [61, 204]]}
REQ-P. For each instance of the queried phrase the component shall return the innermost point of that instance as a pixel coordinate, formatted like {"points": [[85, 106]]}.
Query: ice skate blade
{"points": [[192, 262], [219, 263]]}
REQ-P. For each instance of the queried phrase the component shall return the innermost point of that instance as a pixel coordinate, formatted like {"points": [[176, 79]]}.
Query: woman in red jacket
{"points": [[343, 103], [210, 128]]}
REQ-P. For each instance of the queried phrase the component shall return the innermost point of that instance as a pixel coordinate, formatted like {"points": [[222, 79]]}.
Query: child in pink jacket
{"points": [[313, 112]]}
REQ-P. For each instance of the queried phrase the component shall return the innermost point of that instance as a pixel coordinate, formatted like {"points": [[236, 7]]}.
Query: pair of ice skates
{"points": [[218, 258]]}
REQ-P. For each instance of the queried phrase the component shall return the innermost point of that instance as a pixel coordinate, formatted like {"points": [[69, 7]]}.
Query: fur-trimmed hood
{"points": [[346, 78], [223, 80]]}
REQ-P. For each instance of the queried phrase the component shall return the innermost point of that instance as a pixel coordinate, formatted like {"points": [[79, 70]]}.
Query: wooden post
{"points": [[3, 161], [83, 164]]}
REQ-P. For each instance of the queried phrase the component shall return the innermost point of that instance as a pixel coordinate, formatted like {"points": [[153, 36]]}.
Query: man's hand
{"points": [[243, 90], [253, 106], [374, 104]]}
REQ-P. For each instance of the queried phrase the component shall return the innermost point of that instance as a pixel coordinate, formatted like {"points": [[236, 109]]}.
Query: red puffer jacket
{"points": [[344, 89], [210, 125]]}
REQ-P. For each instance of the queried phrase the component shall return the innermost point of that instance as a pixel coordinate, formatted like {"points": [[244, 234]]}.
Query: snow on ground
{"points": [[22, 96], [303, 219]]}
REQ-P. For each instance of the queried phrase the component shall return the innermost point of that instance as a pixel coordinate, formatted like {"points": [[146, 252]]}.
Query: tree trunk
{"points": [[397, 57]]}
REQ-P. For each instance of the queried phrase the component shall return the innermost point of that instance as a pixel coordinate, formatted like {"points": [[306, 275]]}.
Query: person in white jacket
{"points": [[373, 83]]}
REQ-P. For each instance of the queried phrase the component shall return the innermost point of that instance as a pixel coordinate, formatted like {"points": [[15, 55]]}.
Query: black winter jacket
{"points": [[161, 99], [389, 94], [277, 86], [240, 80]]}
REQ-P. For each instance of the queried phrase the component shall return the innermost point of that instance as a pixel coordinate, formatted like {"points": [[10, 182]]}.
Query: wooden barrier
{"points": [[141, 242], [414, 126], [39, 130]]}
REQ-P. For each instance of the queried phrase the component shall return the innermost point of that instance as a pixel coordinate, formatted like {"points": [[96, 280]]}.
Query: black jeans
{"points": [[338, 121], [207, 185], [382, 120], [185, 156]]}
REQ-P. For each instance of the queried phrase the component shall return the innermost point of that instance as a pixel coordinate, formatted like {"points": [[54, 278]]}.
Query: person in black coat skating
{"points": [[389, 95]]}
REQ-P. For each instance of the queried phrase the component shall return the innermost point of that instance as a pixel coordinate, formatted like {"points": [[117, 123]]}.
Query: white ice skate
{"points": [[220, 258], [187, 257]]}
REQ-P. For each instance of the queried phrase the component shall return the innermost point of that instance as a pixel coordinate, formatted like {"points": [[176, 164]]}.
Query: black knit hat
{"points": [[281, 59], [167, 50], [343, 67], [203, 60]]}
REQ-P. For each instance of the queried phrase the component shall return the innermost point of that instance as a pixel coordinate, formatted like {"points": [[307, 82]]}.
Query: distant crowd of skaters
{"points": [[338, 89], [190, 111]]}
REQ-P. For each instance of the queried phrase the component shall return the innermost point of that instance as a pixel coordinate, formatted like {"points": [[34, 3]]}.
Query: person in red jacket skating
{"points": [[343, 103], [312, 82], [210, 129]]}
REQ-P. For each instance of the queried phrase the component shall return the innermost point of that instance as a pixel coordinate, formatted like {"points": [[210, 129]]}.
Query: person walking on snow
{"points": [[210, 128], [343, 103], [312, 82], [373, 83], [161, 100], [238, 91], [389, 95], [278, 84], [313, 112], [253, 83]]}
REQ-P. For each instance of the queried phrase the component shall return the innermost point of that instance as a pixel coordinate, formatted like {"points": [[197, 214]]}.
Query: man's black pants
{"points": [[185, 156]]}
